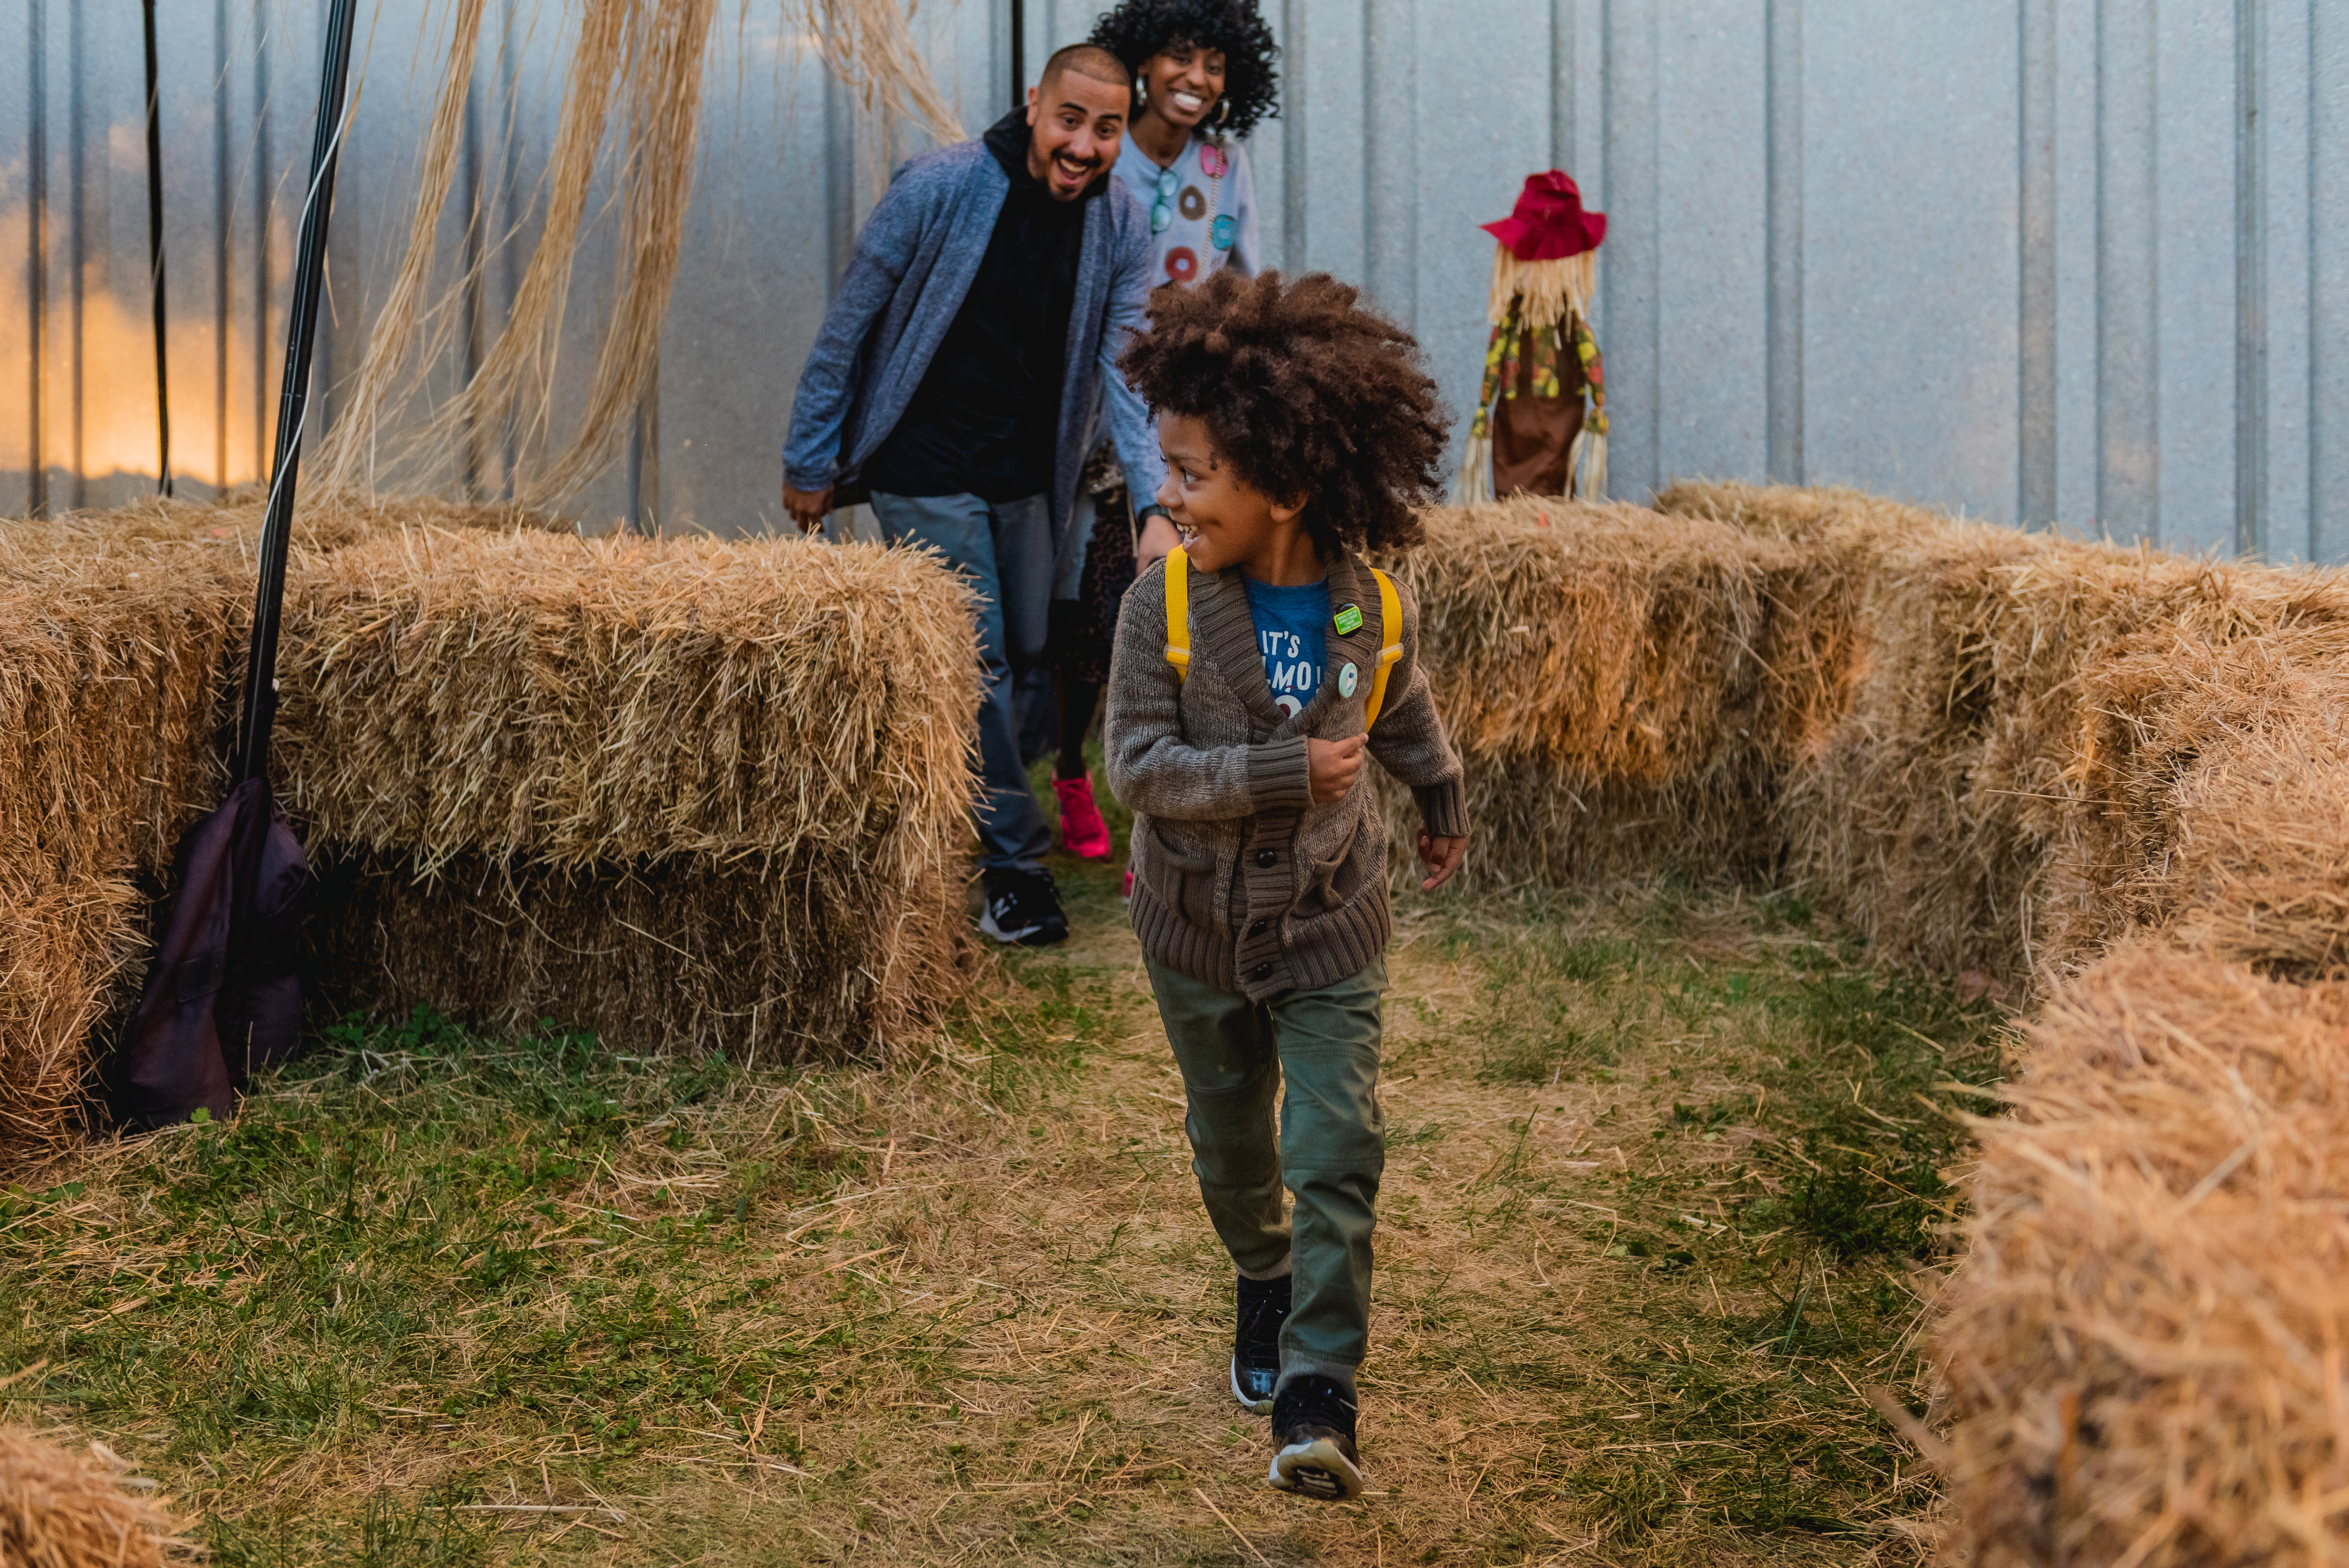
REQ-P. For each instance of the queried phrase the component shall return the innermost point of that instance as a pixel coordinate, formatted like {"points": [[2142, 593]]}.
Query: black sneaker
{"points": [[1313, 1431], [1024, 907], [1256, 1341]]}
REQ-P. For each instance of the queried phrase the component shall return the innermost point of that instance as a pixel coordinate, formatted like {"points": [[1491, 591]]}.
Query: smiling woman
{"points": [[1203, 78]]}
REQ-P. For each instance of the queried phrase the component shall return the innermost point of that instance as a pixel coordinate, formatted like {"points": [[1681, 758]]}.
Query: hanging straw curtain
{"points": [[645, 64]]}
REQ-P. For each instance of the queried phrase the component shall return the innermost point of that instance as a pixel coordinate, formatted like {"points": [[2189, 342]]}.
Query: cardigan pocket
{"points": [[1330, 884], [1187, 881]]}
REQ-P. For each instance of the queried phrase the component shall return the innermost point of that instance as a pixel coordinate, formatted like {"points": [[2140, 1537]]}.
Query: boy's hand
{"points": [[1443, 857], [1333, 766]]}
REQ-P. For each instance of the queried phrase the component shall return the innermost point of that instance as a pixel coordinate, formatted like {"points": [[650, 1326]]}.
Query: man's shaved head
{"points": [[1087, 60]]}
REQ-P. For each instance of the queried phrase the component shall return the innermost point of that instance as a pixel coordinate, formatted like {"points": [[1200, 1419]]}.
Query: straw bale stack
{"points": [[2144, 1349], [63, 1509], [1623, 687], [1962, 811], [121, 636], [116, 632], [692, 792]]}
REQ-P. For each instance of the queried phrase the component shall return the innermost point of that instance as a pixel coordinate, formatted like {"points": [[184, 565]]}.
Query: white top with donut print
{"points": [[1206, 198]]}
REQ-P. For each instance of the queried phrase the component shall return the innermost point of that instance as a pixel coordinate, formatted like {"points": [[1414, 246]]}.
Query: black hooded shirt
{"points": [[985, 417]]}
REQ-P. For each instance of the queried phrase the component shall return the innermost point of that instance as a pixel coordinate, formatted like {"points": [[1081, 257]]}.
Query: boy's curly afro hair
{"points": [[1305, 393], [1140, 29]]}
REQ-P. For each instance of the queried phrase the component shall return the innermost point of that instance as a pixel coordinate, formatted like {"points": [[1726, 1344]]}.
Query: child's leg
{"points": [[1223, 1044], [1332, 1153]]}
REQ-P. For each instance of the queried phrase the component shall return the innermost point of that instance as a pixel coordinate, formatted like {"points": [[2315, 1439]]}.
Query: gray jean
{"points": [[1005, 549], [1320, 1051]]}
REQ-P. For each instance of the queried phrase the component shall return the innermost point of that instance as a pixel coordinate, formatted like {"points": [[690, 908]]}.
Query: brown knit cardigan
{"points": [[1240, 880]]}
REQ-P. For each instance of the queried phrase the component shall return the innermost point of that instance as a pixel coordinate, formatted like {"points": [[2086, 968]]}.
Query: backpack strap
{"points": [[1178, 614], [1390, 627]]}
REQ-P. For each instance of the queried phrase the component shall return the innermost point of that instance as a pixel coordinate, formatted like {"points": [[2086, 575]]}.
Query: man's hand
{"points": [[1333, 765], [1442, 858], [1159, 538], [808, 508]]}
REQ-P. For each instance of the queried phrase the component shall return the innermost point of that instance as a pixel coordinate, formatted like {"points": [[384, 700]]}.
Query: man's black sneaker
{"points": [[1256, 1341], [1024, 907], [1313, 1442]]}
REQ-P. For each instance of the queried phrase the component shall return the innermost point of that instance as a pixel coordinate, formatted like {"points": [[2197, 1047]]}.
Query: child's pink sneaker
{"points": [[1082, 832]]}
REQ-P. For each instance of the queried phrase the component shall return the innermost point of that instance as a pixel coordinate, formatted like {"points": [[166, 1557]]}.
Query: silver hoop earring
{"points": [[1141, 92], [1223, 111]]}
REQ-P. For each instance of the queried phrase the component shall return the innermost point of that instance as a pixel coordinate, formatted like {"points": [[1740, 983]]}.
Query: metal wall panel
{"points": [[2083, 260]]}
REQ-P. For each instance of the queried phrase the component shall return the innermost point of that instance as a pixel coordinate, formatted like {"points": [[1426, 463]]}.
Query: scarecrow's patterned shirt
{"points": [[1517, 357]]}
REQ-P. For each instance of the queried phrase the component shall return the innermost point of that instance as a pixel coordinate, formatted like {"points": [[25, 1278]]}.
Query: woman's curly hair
{"points": [[1140, 29], [1305, 393]]}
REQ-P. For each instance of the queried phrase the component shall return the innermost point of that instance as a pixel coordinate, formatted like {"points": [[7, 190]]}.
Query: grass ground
{"points": [[1661, 1168]]}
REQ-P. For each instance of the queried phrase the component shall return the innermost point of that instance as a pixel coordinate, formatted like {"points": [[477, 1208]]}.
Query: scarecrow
{"points": [[1531, 433]]}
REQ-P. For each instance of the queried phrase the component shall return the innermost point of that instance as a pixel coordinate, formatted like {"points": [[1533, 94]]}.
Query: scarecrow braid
{"points": [[1531, 432]]}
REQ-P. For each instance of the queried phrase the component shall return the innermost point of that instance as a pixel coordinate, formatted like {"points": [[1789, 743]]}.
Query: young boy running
{"points": [[1253, 669]]}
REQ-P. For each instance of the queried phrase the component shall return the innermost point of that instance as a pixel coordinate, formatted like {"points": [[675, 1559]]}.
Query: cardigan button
{"points": [[1257, 928], [1260, 974], [1266, 858]]}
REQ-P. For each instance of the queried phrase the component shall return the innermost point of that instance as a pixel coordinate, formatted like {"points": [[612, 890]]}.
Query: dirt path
{"points": [[1656, 1175], [1550, 1353]]}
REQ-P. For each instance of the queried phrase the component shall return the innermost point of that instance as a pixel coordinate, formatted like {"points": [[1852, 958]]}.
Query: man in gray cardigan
{"points": [[956, 382]]}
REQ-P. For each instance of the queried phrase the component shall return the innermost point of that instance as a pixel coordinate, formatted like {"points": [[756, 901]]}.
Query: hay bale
{"points": [[2229, 771], [689, 793], [1624, 688], [121, 640], [121, 645], [61, 949], [2144, 1348], [63, 1509], [1958, 814], [771, 960]]}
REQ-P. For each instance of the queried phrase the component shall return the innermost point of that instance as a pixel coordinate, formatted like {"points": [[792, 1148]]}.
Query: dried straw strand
{"points": [[391, 341], [666, 46]]}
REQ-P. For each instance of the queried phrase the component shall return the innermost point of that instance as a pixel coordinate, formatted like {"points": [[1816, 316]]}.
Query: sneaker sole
{"points": [[1258, 1406], [1317, 1469], [1029, 936]]}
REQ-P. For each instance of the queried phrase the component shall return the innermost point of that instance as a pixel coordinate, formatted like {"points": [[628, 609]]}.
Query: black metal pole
{"points": [[155, 255], [293, 400], [36, 221], [1019, 53]]}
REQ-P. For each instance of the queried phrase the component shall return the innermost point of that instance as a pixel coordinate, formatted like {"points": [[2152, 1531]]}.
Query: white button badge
{"points": [[1347, 675]]}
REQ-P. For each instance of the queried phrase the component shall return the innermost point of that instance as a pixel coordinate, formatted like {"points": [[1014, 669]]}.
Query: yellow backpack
{"points": [[1178, 629]]}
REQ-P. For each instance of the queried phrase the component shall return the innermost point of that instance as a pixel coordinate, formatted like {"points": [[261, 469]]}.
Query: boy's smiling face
{"points": [[1230, 523]]}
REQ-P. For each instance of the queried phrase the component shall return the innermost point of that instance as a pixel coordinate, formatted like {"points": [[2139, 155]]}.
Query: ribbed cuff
{"points": [[1444, 809], [1280, 777]]}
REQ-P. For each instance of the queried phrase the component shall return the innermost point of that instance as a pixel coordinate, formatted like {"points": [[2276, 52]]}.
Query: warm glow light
{"points": [[118, 354]]}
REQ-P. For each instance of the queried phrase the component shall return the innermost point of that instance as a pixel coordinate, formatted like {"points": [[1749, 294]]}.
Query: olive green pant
{"points": [[1330, 1151]]}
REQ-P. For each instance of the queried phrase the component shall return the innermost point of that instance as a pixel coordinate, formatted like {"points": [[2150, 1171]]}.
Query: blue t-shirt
{"points": [[1291, 632]]}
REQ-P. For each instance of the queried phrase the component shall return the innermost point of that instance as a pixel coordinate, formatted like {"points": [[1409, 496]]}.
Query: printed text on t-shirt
{"points": [[1293, 675]]}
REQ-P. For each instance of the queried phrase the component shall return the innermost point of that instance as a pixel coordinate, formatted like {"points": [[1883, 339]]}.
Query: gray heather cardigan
{"points": [[1240, 880]]}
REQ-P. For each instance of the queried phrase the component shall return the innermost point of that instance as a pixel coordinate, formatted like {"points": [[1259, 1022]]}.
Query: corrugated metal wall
{"points": [[2038, 259]]}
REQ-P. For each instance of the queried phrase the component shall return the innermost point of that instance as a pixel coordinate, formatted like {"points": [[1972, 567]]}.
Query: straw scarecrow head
{"points": [[1534, 429]]}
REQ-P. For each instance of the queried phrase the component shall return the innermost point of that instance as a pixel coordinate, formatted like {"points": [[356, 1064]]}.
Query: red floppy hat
{"points": [[1549, 222]]}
